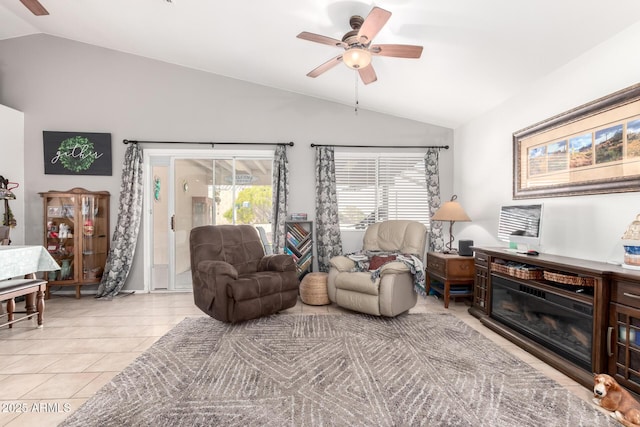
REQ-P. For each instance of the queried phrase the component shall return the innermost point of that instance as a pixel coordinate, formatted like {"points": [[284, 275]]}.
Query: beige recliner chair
{"points": [[388, 290]]}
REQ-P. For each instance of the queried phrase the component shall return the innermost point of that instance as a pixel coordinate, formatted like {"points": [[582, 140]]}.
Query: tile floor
{"points": [[46, 374]]}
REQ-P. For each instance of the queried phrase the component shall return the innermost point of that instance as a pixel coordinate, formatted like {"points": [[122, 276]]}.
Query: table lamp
{"points": [[450, 211]]}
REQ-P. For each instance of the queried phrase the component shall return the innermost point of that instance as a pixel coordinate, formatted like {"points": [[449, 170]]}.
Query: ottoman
{"points": [[313, 289]]}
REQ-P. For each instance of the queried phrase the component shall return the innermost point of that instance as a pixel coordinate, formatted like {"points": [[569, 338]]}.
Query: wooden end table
{"points": [[454, 275]]}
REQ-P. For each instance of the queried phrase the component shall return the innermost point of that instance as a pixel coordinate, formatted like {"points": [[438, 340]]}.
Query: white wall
{"points": [[582, 226], [62, 85], [12, 166]]}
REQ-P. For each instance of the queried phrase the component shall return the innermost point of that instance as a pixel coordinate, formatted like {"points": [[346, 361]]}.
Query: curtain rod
{"points": [[443, 147], [130, 141]]}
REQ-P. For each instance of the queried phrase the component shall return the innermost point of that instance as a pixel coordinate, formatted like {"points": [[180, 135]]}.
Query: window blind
{"points": [[376, 188]]}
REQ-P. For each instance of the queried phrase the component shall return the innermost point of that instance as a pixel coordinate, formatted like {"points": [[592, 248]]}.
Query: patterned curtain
{"points": [[280, 202], [125, 236], [432, 171], [328, 239]]}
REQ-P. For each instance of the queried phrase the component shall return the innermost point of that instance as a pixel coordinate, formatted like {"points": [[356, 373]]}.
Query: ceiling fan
{"points": [[358, 47], [35, 7]]}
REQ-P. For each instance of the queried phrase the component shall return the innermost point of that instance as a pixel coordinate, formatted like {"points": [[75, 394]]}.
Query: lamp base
{"points": [[448, 248]]}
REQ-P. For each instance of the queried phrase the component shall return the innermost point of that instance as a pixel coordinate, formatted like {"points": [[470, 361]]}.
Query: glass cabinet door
{"points": [[60, 235], [94, 237], [625, 354]]}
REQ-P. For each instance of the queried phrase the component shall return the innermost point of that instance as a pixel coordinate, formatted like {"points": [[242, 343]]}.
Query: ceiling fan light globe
{"points": [[356, 58]]}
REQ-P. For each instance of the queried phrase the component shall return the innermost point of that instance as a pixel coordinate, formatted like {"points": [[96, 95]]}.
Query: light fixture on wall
{"points": [[356, 57], [451, 211]]}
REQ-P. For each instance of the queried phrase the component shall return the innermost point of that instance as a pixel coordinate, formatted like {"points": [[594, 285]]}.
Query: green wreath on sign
{"points": [[76, 153]]}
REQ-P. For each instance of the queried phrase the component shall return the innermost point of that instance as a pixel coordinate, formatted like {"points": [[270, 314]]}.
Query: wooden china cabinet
{"points": [[76, 234]]}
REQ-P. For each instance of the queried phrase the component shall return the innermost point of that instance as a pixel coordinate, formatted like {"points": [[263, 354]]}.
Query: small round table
{"points": [[313, 289]]}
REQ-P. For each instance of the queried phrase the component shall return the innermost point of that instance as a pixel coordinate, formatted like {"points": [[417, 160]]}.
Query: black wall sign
{"points": [[77, 153]]}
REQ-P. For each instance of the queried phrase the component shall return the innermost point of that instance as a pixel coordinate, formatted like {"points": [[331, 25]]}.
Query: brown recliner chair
{"points": [[233, 280]]}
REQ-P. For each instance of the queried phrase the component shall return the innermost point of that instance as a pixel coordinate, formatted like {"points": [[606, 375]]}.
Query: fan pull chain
{"points": [[355, 73]]}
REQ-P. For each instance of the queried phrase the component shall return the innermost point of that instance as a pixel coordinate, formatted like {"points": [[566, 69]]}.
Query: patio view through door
{"points": [[191, 192]]}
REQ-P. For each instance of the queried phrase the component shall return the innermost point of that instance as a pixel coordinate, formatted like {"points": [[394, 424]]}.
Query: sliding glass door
{"points": [[190, 192]]}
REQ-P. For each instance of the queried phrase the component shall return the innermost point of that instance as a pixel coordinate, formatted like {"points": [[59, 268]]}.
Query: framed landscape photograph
{"points": [[592, 149]]}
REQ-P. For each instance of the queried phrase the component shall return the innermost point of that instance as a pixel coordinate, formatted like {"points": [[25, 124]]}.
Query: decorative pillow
{"points": [[377, 261]]}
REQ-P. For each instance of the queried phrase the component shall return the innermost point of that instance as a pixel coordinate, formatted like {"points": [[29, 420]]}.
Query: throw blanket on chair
{"points": [[363, 261]]}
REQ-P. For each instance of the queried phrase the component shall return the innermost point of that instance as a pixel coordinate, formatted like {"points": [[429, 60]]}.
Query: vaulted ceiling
{"points": [[476, 53]]}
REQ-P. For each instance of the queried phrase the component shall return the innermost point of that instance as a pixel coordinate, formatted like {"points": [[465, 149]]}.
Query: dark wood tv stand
{"points": [[614, 301]]}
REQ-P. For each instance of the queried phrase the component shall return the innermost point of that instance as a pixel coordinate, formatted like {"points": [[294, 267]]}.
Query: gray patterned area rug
{"points": [[332, 370]]}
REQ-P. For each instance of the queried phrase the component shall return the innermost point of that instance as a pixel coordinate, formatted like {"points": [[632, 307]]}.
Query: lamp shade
{"points": [[451, 211], [356, 58]]}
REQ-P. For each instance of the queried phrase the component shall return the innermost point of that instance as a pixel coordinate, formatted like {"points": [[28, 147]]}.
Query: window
{"points": [[373, 188], [234, 190]]}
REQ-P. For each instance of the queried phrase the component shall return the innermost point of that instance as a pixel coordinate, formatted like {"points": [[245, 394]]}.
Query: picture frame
{"points": [[67, 211], [591, 149], [54, 211], [77, 153]]}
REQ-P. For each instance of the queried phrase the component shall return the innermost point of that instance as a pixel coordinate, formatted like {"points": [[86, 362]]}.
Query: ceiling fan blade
{"points": [[321, 39], [367, 74], [35, 7], [396, 50], [325, 67], [373, 24]]}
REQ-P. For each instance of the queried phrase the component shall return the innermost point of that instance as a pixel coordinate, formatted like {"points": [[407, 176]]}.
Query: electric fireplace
{"points": [[556, 321]]}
